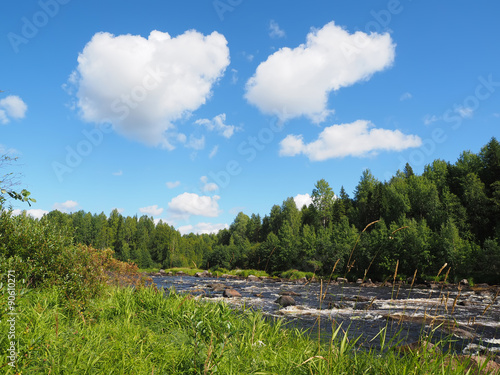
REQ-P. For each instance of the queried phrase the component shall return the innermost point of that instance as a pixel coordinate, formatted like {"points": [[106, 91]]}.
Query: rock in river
{"points": [[286, 301], [230, 293]]}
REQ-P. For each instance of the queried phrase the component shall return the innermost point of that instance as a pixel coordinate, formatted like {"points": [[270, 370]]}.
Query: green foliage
{"points": [[43, 255], [449, 214]]}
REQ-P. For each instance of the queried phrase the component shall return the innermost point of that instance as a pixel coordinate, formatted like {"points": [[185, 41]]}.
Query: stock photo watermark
{"points": [[11, 318], [223, 6], [30, 26], [455, 115], [248, 150]]}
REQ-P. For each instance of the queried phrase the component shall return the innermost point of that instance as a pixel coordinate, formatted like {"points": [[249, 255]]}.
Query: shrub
{"points": [[44, 256]]}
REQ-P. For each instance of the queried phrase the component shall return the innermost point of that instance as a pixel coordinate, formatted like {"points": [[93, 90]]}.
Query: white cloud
{"points": [[65, 206], [202, 228], [296, 82], [217, 124], [405, 96], [234, 76], [208, 186], [429, 119], [359, 138], [120, 210], [35, 213], [12, 107], [119, 173], [196, 143], [302, 199], [141, 86], [275, 31], [464, 112], [187, 204], [248, 57], [173, 184], [213, 152], [151, 210]]}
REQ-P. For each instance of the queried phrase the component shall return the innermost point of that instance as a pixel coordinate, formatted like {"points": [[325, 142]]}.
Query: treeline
{"points": [[449, 214]]}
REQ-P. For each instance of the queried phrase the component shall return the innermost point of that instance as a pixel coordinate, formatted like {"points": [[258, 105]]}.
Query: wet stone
{"points": [[230, 293], [286, 301]]}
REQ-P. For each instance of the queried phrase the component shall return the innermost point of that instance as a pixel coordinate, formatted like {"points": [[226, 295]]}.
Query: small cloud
{"points": [[218, 124], [67, 206], [202, 228], [234, 76], [208, 186], [248, 56], [302, 199], [196, 143], [213, 152], [12, 107], [119, 173], [120, 210], [429, 119], [173, 184], [275, 31], [187, 204], [464, 112], [151, 210], [497, 115], [34, 213], [405, 96]]}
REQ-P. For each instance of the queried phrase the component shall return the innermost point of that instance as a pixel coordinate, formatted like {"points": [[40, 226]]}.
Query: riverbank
{"points": [[145, 331]]}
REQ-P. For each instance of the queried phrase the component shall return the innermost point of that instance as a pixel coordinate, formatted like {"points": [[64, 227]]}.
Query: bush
{"points": [[44, 256]]}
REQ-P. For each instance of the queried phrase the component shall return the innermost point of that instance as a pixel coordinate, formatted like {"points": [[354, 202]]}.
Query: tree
{"points": [[323, 198], [368, 199], [490, 158]]}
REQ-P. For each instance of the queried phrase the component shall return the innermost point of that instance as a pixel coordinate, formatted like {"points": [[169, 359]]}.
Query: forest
{"points": [[417, 223]]}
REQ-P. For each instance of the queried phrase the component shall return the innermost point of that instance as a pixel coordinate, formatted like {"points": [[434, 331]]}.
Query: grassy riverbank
{"points": [[290, 274], [142, 331]]}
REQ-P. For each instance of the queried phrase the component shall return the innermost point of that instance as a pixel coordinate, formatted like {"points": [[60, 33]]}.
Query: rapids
{"points": [[471, 318]]}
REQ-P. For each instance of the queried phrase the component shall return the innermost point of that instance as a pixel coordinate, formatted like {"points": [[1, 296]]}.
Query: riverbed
{"points": [[470, 317]]}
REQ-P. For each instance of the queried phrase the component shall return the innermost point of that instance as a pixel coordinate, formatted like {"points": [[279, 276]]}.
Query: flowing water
{"points": [[470, 317]]}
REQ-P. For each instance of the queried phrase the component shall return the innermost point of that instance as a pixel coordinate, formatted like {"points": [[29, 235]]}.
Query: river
{"points": [[469, 316]]}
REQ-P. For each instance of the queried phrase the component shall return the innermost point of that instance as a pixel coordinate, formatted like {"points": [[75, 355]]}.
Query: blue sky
{"points": [[191, 111]]}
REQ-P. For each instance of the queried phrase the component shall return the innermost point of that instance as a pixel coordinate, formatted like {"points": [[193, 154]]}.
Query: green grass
{"points": [[295, 275], [127, 331]]}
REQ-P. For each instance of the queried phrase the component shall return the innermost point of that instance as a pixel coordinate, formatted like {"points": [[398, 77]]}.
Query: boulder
{"points": [[180, 273], [252, 278], [202, 274], [464, 282], [336, 305], [342, 280], [302, 280], [217, 287], [359, 281], [285, 301], [230, 293]]}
